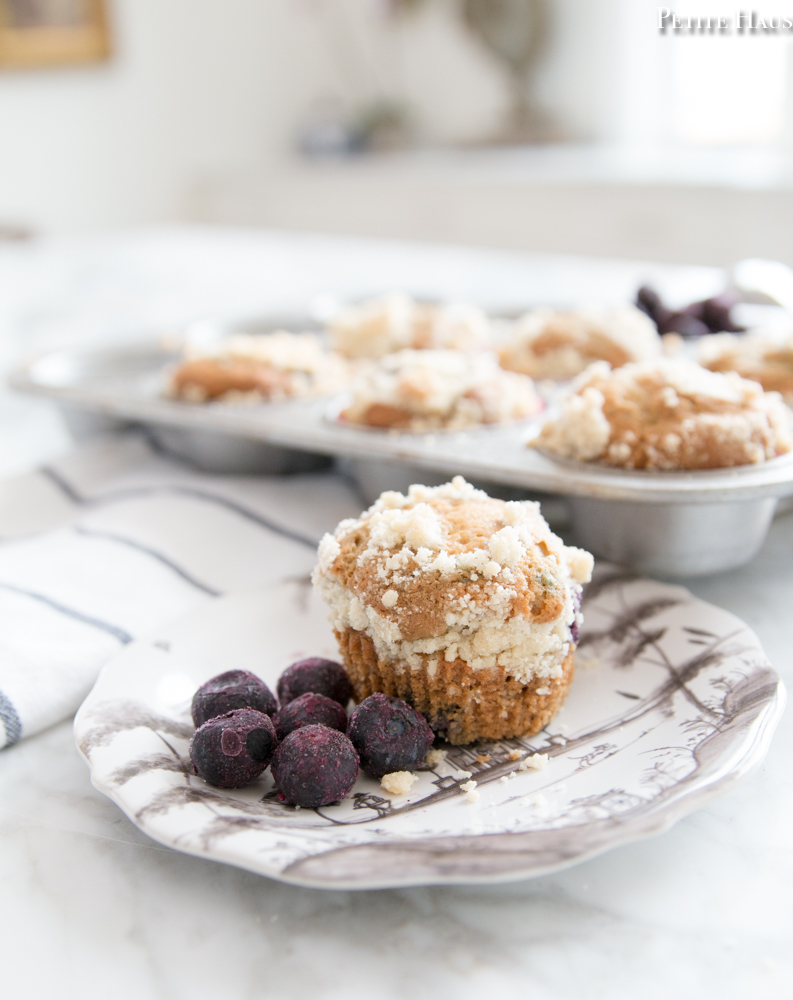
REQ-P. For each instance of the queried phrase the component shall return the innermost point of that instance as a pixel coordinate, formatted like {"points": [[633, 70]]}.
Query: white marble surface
{"points": [[90, 907]]}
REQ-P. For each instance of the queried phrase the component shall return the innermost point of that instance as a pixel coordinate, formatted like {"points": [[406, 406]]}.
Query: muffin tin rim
{"points": [[302, 424]]}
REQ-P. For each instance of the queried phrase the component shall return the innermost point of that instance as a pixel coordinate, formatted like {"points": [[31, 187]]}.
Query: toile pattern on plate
{"points": [[673, 701]]}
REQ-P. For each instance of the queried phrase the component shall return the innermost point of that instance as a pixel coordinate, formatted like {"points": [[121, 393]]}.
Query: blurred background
{"points": [[550, 125]]}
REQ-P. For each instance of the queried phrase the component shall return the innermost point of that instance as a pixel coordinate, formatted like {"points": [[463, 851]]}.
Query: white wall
{"points": [[205, 89], [195, 87]]}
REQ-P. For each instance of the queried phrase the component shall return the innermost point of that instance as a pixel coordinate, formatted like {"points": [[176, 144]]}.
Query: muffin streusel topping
{"points": [[422, 391], [248, 367], [669, 414], [764, 357], [559, 344], [451, 572], [378, 327], [286, 351]]}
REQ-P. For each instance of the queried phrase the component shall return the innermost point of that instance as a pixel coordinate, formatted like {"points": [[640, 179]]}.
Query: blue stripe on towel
{"points": [[159, 556], [118, 496], [114, 630], [10, 720]]}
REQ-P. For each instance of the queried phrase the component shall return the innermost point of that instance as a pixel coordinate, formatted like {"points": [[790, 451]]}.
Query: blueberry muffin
{"points": [[465, 606], [381, 326], [670, 414], [422, 391], [254, 367], [560, 344], [760, 357]]}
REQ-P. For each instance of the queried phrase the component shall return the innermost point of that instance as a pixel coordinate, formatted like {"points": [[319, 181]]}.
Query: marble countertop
{"points": [[91, 907]]}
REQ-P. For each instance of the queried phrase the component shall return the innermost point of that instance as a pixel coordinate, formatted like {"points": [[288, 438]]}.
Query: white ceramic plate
{"points": [[672, 703]]}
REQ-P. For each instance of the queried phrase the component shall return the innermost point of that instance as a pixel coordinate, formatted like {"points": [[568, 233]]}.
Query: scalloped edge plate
{"points": [[673, 702]]}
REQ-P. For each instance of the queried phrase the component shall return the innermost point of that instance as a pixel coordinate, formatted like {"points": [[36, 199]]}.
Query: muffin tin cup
{"points": [[672, 539], [209, 451], [227, 454], [84, 424]]}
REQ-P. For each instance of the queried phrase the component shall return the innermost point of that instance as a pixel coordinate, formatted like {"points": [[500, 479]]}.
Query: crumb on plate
{"points": [[535, 762], [471, 794], [398, 782]]}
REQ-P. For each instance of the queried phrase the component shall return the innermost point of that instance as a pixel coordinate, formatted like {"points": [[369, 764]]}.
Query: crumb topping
{"points": [[390, 597], [759, 356], [381, 326], [247, 367], [287, 352], [423, 391], [448, 571], [560, 344], [669, 414]]}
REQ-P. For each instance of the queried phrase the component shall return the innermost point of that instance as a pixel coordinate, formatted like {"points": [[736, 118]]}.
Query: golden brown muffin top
{"points": [[381, 326], [670, 414], [263, 366], [559, 344], [422, 391], [450, 569], [762, 358]]}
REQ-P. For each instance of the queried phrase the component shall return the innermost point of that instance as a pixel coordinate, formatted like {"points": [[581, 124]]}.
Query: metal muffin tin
{"points": [[670, 524]]}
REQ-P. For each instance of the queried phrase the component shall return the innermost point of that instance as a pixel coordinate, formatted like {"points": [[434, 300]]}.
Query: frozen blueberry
{"points": [[389, 735], [716, 313], [230, 750], [649, 301], [317, 676], [696, 320], [308, 710], [685, 324], [314, 766], [234, 689]]}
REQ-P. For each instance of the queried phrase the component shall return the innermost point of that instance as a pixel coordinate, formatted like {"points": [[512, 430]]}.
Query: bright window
{"points": [[730, 89]]}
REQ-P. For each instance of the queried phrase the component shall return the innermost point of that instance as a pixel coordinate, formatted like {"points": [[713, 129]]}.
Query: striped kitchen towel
{"points": [[112, 541]]}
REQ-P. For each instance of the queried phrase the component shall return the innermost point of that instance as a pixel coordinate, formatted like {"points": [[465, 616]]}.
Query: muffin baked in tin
{"points": [[422, 391], [252, 367], [757, 356], [559, 344], [394, 322], [666, 415]]}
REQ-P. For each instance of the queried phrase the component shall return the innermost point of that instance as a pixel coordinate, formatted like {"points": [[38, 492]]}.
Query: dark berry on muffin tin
{"points": [[389, 735], [685, 324], [316, 676], [649, 301], [233, 689], [713, 315], [314, 766], [230, 750], [716, 313], [310, 710]]}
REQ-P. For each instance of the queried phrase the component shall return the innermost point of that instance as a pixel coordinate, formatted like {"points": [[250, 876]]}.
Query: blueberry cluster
{"points": [[313, 750], [698, 319]]}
